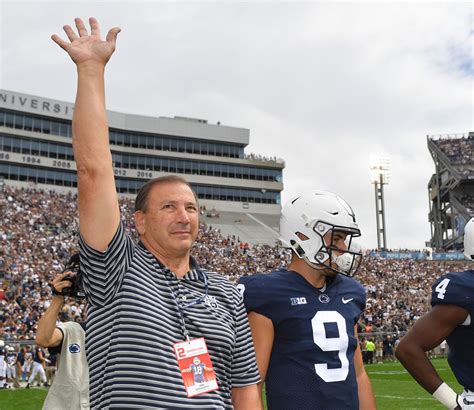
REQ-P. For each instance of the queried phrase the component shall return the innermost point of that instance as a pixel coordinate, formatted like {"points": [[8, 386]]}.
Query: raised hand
{"points": [[85, 47]]}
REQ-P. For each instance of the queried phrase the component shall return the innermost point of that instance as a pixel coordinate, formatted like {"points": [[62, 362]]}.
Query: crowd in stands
{"points": [[264, 158], [458, 150], [468, 202], [39, 231]]}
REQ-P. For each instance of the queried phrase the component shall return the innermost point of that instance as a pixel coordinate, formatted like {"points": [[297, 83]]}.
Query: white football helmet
{"points": [[469, 240], [307, 218]]}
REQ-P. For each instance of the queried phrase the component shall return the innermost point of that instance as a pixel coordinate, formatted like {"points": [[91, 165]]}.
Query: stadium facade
{"points": [[450, 189], [36, 151]]}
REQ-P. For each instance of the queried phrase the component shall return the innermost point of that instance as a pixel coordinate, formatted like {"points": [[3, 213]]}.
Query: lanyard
{"points": [[196, 301]]}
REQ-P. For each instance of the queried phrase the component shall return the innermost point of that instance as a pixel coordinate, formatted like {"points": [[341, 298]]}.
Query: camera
{"points": [[76, 290]]}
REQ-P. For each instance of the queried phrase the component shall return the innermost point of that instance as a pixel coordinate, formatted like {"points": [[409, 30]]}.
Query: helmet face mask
{"points": [[312, 224]]}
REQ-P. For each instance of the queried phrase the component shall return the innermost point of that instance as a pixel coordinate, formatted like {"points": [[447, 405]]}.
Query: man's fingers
{"points": [[60, 277], [81, 28], [58, 287], [112, 35], [61, 285], [59, 41], [69, 33], [95, 31]]}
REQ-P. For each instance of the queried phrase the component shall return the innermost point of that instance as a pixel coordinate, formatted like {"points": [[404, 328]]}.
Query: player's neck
{"points": [[315, 277]]}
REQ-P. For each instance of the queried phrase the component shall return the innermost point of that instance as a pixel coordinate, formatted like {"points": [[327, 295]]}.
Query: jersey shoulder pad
{"points": [[455, 288], [257, 291]]}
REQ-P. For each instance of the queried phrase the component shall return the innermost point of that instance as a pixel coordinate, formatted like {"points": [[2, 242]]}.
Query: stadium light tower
{"points": [[380, 176]]}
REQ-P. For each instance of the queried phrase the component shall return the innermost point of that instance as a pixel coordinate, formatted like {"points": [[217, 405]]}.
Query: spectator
{"points": [[145, 296], [71, 389], [370, 347]]}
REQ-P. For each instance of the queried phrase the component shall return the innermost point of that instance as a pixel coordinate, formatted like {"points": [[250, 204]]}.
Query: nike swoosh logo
{"points": [[346, 300]]}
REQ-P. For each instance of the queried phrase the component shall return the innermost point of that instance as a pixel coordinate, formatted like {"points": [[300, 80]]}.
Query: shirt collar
{"points": [[192, 274]]}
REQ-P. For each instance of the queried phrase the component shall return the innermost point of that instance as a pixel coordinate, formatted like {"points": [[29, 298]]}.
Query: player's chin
{"points": [[329, 272]]}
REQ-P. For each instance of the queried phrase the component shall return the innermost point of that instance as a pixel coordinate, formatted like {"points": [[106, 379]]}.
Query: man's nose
{"points": [[182, 215], [341, 247]]}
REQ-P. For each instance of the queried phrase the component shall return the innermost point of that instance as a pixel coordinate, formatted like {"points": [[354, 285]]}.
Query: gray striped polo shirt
{"points": [[133, 322]]}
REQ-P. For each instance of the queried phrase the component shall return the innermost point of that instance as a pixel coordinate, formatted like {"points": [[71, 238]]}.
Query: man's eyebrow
{"points": [[172, 201]]}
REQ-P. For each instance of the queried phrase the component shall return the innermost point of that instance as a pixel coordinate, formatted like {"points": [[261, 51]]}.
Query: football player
{"points": [[303, 318], [197, 368], [452, 318]]}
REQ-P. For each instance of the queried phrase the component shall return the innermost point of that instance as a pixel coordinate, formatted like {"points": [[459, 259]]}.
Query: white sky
{"points": [[320, 84]]}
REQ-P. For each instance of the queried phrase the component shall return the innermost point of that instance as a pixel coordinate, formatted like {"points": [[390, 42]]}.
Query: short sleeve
{"points": [[254, 290], [103, 272], [450, 290], [57, 349], [244, 364]]}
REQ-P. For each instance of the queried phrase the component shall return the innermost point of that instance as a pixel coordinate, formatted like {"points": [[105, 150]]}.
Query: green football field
{"points": [[393, 386]]}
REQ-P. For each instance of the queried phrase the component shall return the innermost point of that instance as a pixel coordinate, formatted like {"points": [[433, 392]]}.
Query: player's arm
{"points": [[427, 333], [263, 334], [246, 398], [364, 387], [97, 198]]}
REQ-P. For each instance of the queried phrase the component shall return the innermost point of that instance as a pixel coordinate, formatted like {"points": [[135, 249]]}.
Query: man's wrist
{"points": [[91, 68], [446, 395], [58, 297]]}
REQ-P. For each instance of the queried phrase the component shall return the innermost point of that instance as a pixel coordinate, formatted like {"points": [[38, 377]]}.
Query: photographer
{"points": [[70, 388]]}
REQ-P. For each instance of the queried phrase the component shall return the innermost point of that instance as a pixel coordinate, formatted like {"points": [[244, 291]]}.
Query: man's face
{"points": [[171, 221], [338, 241], [196, 361]]}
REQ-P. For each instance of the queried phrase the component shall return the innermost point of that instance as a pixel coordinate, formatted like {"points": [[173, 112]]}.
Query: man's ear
{"points": [[139, 217]]}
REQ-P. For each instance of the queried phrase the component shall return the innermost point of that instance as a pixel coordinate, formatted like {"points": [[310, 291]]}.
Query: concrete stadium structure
{"points": [[450, 189], [36, 152]]}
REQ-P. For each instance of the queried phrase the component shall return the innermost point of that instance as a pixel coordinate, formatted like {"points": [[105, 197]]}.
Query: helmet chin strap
{"points": [[320, 266], [343, 261]]}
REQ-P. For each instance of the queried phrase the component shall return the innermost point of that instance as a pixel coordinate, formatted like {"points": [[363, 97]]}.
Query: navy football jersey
{"points": [[458, 289], [312, 360]]}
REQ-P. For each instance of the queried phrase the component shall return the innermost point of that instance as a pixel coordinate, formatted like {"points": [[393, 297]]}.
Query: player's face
{"points": [[338, 244], [196, 361], [336, 241], [171, 221]]}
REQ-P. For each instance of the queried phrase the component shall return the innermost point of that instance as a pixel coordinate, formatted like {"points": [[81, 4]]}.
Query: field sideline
{"points": [[394, 390]]}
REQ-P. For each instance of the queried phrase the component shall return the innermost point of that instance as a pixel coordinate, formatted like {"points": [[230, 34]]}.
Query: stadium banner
{"points": [[448, 256], [400, 255], [436, 256]]}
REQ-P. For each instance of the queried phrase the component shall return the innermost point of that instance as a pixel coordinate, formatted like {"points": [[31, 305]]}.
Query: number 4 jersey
{"points": [[312, 360], [458, 289]]}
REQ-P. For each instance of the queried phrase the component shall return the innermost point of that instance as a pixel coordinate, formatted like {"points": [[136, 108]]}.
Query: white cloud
{"points": [[320, 84]]}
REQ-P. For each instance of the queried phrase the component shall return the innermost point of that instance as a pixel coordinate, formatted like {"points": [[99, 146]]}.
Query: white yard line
{"points": [[403, 398]]}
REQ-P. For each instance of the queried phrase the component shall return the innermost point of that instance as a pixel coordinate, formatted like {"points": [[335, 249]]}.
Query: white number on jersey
{"points": [[241, 289], [441, 288], [332, 344]]}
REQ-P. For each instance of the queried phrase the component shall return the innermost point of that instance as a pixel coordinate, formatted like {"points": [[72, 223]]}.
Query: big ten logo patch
{"points": [[298, 301]]}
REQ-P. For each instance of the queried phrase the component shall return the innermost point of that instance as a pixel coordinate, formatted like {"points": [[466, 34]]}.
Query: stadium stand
{"points": [[39, 232], [451, 189], [253, 229]]}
